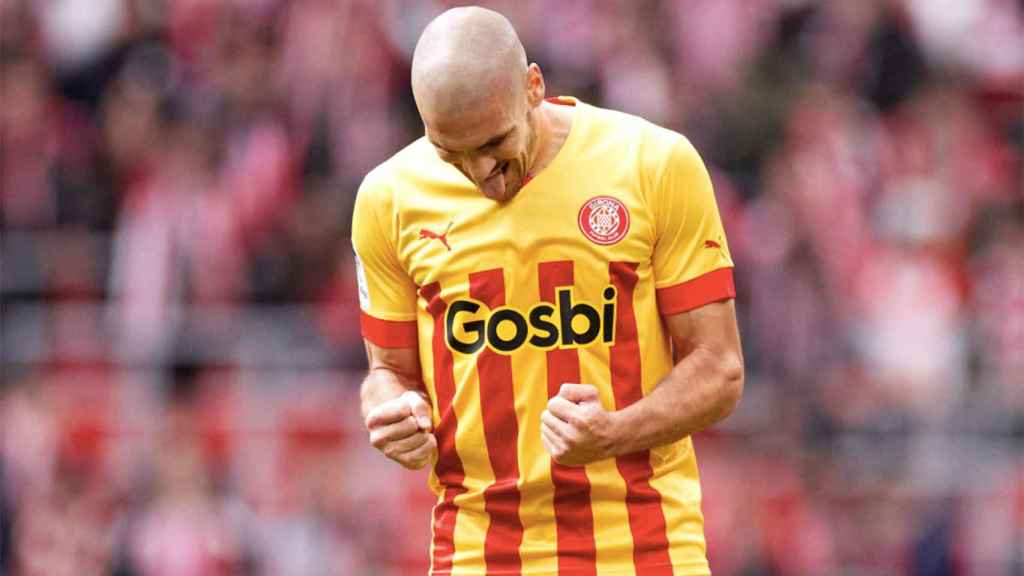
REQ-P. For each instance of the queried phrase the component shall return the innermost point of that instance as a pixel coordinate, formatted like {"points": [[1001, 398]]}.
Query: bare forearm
{"points": [[398, 423], [703, 388], [382, 384]]}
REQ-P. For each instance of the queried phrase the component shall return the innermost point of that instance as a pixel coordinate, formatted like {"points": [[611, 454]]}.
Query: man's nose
{"points": [[480, 168]]}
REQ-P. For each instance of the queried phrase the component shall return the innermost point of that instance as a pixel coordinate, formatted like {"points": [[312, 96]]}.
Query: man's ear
{"points": [[535, 87]]}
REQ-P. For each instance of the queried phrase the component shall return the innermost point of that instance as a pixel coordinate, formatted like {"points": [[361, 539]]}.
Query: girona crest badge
{"points": [[604, 220]]}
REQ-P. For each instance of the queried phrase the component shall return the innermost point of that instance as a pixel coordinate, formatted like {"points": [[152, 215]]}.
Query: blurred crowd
{"points": [[179, 344]]}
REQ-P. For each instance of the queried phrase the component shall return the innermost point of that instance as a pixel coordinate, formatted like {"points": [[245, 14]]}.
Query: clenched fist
{"points": [[401, 429], [575, 429]]}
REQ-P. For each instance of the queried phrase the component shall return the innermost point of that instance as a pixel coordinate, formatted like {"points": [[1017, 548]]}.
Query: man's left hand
{"points": [[575, 429]]}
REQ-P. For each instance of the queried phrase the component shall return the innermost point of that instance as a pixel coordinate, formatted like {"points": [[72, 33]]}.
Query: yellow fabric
{"points": [[660, 179]]}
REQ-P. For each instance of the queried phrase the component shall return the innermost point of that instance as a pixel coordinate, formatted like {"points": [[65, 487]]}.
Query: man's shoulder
{"points": [[635, 140], [642, 139], [413, 155], [415, 165], [626, 124]]}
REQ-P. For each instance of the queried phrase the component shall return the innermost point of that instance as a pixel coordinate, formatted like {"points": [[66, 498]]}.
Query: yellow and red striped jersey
{"points": [[566, 282]]}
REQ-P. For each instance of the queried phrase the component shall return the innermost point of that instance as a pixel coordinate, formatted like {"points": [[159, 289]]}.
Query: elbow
{"points": [[731, 378]]}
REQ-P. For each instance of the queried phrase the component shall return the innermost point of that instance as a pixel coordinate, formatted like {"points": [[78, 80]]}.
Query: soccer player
{"points": [[546, 295]]}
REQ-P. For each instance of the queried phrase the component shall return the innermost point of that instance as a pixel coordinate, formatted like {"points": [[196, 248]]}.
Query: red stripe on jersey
{"points": [[388, 333], [448, 468], [704, 289], [574, 519], [501, 432], [643, 502]]}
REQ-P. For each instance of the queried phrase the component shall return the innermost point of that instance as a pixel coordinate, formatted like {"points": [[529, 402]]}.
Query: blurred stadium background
{"points": [[180, 354]]}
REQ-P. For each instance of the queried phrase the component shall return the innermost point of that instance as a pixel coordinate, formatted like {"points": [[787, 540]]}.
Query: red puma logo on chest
{"points": [[424, 233]]}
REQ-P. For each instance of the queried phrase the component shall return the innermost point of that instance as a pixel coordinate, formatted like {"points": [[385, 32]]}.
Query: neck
{"points": [[551, 126]]}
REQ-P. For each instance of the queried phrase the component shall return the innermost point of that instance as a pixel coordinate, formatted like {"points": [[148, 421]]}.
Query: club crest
{"points": [[604, 220]]}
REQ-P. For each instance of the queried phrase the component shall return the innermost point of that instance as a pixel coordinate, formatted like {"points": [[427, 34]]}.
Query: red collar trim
{"points": [[561, 101]]}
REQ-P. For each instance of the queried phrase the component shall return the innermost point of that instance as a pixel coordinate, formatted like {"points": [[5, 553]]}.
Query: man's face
{"points": [[489, 143]]}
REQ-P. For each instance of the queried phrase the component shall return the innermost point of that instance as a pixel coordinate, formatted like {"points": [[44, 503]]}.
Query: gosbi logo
{"points": [[604, 220], [470, 325]]}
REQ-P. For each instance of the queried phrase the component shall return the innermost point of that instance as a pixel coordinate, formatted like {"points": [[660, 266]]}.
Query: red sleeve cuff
{"points": [[388, 333], [711, 287]]}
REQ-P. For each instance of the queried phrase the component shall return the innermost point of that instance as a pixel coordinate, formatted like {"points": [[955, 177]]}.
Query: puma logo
{"points": [[711, 244], [424, 233]]}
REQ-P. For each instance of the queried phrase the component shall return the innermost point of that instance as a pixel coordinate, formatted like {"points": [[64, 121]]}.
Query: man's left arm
{"points": [[695, 291], [702, 388]]}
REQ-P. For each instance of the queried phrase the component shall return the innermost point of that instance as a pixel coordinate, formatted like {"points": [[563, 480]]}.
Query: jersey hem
{"points": [[701, 569], [711, 287], [388, 333]]}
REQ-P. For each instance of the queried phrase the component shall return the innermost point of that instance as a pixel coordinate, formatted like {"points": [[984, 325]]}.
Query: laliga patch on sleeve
{"points": [[364, 291]]}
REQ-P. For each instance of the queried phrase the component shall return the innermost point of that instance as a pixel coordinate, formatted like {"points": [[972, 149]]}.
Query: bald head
{"points": [[476, 96], [465, 58]]}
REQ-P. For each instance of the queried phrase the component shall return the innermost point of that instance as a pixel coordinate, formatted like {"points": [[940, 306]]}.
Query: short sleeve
{"points": [[387, 296], [692, 265]]}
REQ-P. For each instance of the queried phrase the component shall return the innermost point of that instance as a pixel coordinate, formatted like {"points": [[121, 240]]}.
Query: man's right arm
{"points": [[395, 411]]}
